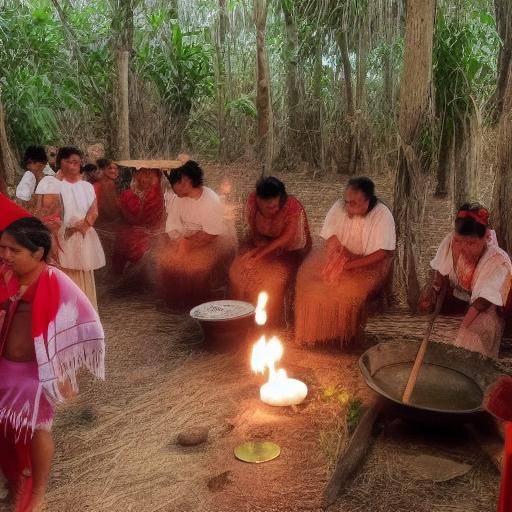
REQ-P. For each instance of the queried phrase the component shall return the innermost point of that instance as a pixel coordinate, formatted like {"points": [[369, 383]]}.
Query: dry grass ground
{"points": [[116, 449]]}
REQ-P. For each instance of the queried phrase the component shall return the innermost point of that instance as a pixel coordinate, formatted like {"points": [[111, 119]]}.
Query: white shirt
{"points": [[27, 185], [361, 235], [78, 252], [491, 280], [186, 216]]}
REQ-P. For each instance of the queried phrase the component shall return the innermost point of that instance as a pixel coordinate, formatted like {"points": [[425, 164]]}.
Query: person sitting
{"points": [[477, 274], [106, 190], [278, 238], [193, 256], [142, 209], [68, 205], [48, 332], [36, 164], [335, 283], [90, 173]]}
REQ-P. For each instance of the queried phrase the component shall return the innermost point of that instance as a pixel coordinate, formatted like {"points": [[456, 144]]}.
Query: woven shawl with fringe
{"points": [[66, 329]]}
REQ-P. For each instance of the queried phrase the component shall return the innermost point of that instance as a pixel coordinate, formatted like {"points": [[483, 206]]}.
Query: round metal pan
{"points": [[450, 386]]}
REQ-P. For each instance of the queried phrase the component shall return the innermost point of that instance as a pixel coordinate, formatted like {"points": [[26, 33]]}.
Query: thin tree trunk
{"points": [[361, 68], [292, 76], [263, 103], [503, 184], [467, 149], [7, 160], [123, 25], [503, 11], [387, 77], [317, 91], [223, 21], [341, 39], [410, 187], [123, 117]]}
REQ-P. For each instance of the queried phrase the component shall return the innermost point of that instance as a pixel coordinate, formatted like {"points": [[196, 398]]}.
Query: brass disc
{"points": [[257, 451]]}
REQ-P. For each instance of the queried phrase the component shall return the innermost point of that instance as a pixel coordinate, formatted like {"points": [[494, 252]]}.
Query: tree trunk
{"points": [[410, 190], [263, 103], [467, 147], [318, 148], [341, 39], [222, 28], [503, 184], [123, 104], [387, 72], [122, 25], [292, 77], [503, 10], [7, 160], [361, 68]]}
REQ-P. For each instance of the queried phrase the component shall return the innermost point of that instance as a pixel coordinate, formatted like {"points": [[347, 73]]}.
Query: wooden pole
{"points": [[413, 377]]}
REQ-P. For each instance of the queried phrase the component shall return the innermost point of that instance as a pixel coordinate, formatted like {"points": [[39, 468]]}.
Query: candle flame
{"points": [[260, 313]]}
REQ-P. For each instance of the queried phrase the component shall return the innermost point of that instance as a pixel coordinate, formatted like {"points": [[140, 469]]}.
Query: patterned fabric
{"points": [[143, 220], [275, 273], [66, 330]]}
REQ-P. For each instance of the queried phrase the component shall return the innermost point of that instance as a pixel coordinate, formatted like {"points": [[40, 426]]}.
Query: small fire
{"points": [[261, 313], [265, 355], [279, 390]]}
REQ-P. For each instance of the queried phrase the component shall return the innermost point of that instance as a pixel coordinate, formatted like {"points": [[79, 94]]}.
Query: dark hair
{"points": [[88, 171], [32, 234], [103, 163], [270, 187], [367, 187], [35, 154], [65, 152], [469, 226], [189, 169]]}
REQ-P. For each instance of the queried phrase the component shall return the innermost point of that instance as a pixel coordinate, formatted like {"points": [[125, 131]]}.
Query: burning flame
{"points": [[279, 390], [261, 313], [265, 355]]}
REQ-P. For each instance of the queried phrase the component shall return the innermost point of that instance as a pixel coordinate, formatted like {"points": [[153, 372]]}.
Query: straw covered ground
{"points": [[116, 444]]}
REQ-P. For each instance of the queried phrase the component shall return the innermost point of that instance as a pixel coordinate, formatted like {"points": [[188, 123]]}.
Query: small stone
{"points": [[193, 436], [88, 414], [219, 482]]}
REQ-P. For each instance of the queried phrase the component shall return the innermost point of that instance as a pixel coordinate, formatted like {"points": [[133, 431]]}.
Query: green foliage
{"points": [[464, 60], [348, 406], [179, 66], [40, 77], [242, 105]]}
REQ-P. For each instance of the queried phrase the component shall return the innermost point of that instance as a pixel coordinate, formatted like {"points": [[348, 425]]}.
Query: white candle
{"points": [[282, 391]]}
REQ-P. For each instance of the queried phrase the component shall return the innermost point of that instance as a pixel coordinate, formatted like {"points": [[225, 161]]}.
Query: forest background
{"points": [[418, 87]]}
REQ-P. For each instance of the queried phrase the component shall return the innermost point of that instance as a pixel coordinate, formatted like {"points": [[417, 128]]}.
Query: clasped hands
{"points": [[337, 258], [79, 227]]}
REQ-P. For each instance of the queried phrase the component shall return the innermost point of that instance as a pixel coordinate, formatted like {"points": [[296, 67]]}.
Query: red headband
{"points": [[481, 216]]}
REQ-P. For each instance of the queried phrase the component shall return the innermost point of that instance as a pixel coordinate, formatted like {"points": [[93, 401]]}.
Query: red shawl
{"points": [[291, 212]]}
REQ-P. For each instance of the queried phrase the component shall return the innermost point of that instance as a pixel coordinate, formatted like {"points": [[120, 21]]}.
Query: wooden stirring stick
{"points": [[413, 377]]}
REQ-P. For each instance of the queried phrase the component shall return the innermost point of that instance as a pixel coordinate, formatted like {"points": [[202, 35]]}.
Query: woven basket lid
{"points": [[222, 310], [151, 164]]}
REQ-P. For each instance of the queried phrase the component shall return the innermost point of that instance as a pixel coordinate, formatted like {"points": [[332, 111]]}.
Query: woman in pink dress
{"points": [[48, 331]]}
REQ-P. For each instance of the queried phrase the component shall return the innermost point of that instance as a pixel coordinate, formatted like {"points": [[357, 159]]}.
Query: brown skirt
{"points": [[274, 275], [184, 281], [334, 313]]}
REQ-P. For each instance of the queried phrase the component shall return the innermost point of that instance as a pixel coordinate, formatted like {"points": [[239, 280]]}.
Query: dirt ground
{"points": [[116, 444]]}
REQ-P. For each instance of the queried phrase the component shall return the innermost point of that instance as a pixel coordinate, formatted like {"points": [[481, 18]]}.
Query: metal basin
{"points": [[450, 386]]}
